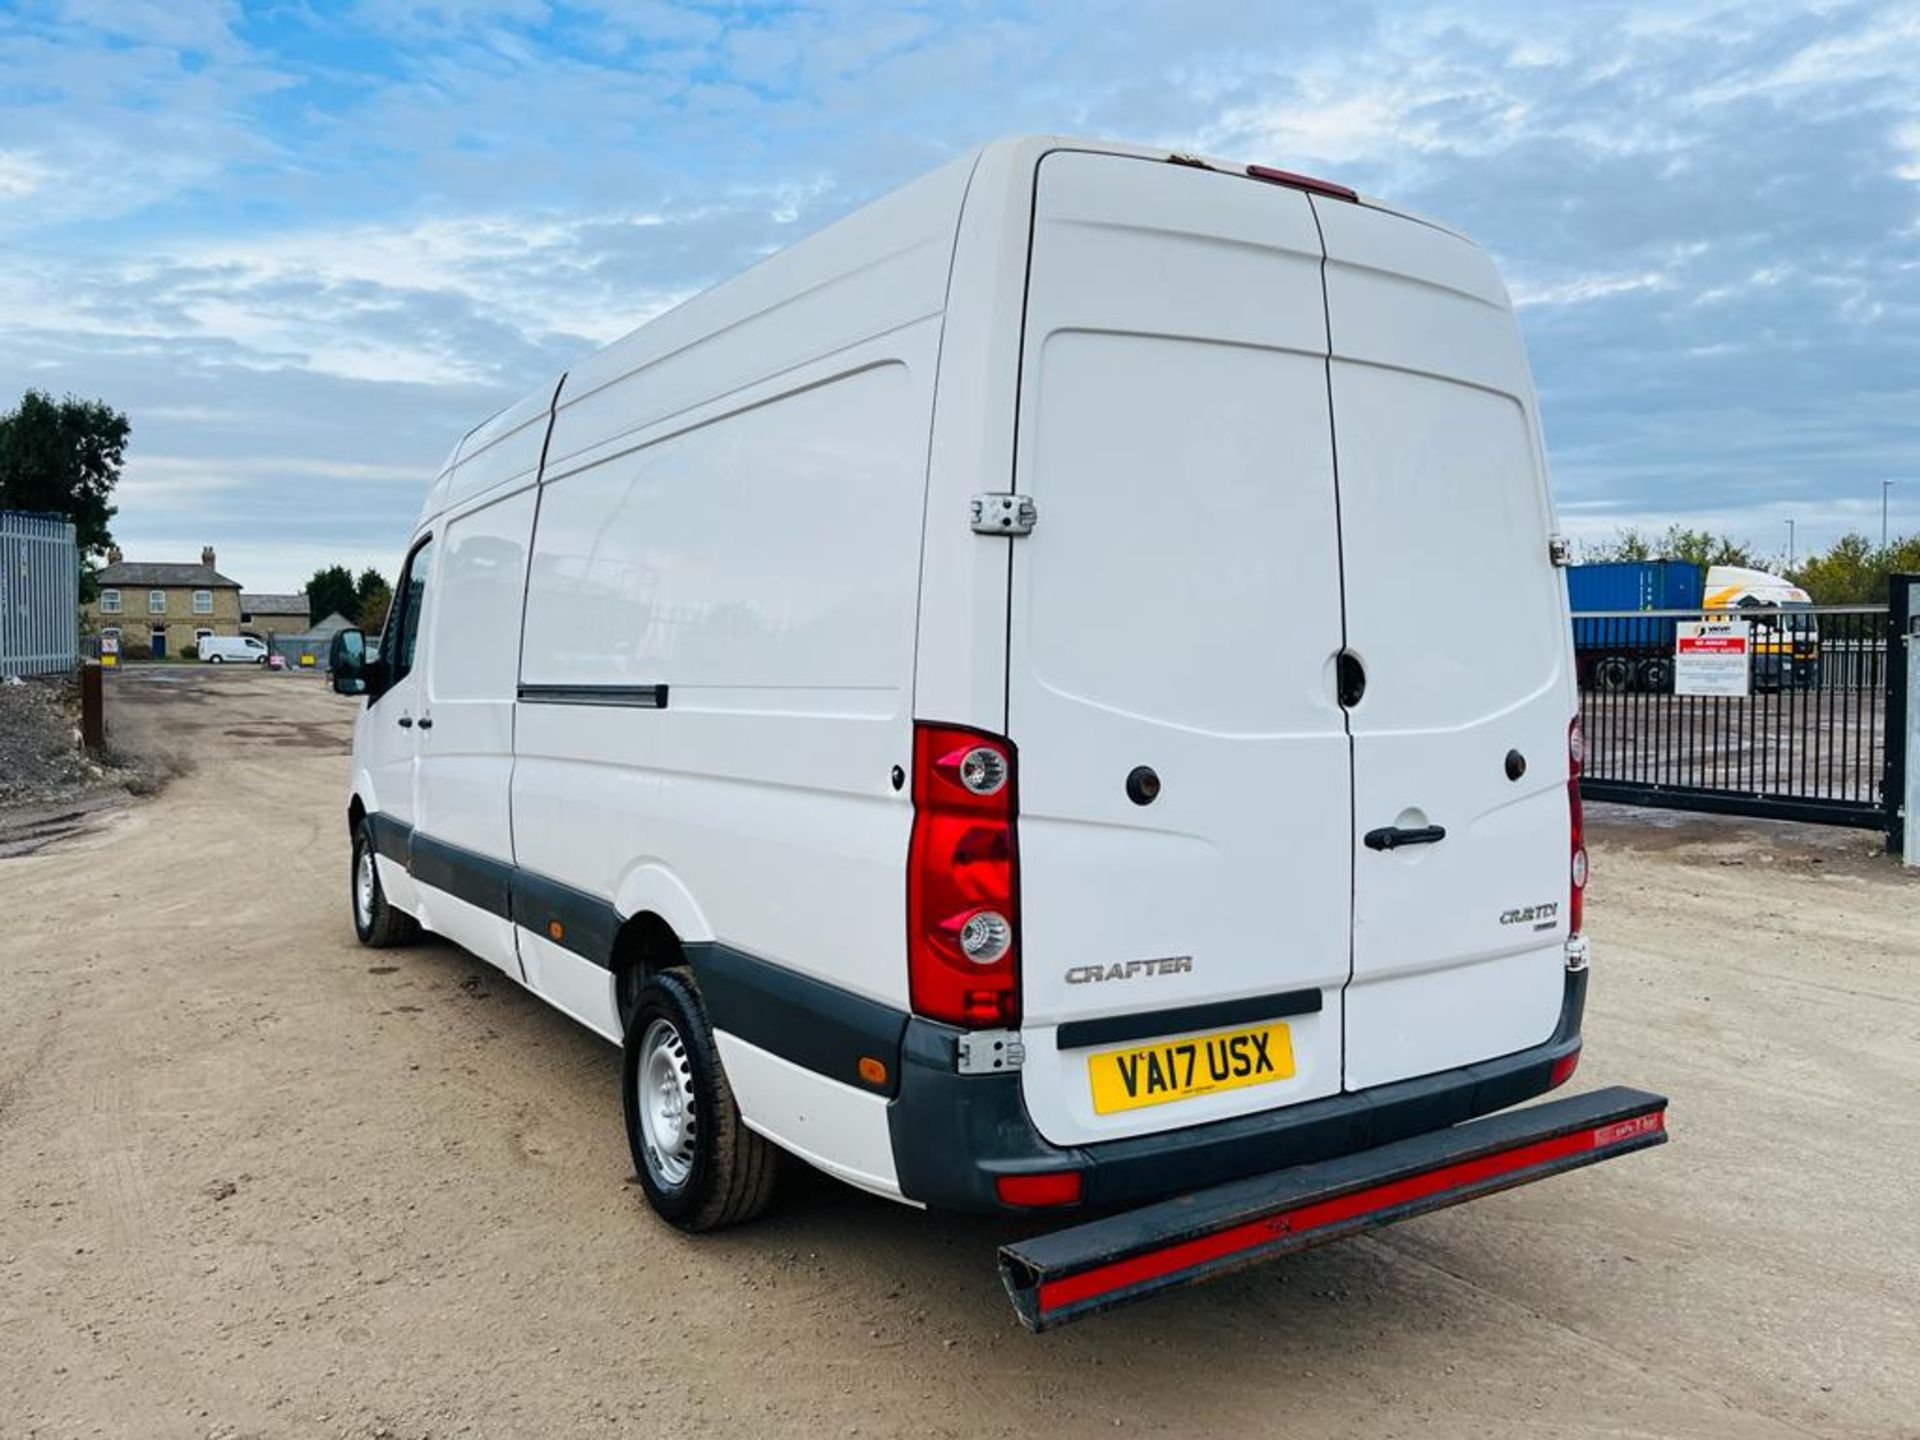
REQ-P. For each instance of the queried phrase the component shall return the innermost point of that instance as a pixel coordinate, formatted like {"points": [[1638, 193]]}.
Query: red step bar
{"points": [[1081, 1271]]}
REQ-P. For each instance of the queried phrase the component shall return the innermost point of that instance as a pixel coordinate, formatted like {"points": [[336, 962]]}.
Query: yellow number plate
{"points": [[1182, 1069]]}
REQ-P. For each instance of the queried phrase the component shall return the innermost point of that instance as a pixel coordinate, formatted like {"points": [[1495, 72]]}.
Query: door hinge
{"points": [[986, 1052], [999, 514], [1560, 550]]}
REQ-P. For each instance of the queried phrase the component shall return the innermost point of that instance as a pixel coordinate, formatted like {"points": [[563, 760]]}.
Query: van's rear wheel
{"points": [[699, 1164], [376, 922], [217, 659]]}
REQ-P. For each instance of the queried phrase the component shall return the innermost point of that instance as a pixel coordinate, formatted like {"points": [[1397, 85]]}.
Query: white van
{"points": [[962, 703], [232, 650]]}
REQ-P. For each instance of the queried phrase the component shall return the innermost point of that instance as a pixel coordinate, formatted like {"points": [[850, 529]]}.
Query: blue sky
{"points": [[306, 245]]}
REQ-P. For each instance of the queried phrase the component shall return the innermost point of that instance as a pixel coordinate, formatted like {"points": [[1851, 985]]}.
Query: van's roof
{"points": [[923, 207]]}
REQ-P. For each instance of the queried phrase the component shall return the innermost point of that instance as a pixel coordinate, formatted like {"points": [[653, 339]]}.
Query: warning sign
{"points": [[1710, 657]]}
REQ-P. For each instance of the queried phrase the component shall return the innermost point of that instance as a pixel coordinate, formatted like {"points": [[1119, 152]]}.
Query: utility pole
{"points": [[1789, 544], [1885, 485]]}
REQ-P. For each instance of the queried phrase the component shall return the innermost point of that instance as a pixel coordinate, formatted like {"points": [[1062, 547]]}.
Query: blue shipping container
{"points": [[1631, 585]]}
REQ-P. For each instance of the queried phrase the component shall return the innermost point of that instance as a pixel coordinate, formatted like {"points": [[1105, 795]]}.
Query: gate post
{"points": [[1900, 789]]}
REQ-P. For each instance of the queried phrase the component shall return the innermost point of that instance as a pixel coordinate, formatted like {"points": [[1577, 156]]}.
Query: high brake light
{"points": [[1302, 182], [1577, 860], [963, 927]]}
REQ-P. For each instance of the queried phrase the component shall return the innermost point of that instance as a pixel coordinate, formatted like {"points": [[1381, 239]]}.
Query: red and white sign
{"points": [[1710, 657]]}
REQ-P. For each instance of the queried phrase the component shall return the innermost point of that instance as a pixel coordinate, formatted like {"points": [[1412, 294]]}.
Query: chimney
{"points": [[206, 556], [113, 554]]}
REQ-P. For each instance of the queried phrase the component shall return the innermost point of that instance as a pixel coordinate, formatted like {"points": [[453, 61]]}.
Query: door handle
{"points": [[406, 722], [426, 722], [1392, 837]]}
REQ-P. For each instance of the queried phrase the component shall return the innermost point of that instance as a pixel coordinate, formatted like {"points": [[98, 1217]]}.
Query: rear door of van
{"points": [[1186, 850], [1456, 617]]}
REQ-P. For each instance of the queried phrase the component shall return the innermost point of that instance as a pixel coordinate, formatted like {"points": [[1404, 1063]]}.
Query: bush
{"points": [[190, 650]]}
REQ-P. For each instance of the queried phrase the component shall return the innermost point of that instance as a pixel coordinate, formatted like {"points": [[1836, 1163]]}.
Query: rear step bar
{"points": [[1088, 1268]]}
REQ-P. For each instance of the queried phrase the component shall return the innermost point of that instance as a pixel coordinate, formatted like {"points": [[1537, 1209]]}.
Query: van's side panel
{"points": [[761, 567], [1457, 613]]}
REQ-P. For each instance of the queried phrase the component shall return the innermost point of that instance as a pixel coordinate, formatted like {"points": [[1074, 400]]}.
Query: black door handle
{"points": [[426, 722], [406, 722], [1392, 837]]}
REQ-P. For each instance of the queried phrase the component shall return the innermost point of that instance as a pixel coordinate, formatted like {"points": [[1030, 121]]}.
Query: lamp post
{"points": [[1885, 485], [1789, 544]]}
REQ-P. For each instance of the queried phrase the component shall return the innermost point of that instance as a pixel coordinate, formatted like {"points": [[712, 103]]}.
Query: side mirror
{"points": [[347, 662]]}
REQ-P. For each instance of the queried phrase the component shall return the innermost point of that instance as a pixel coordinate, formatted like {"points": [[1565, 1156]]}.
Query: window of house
{"points": [[203, 602], [202, 634], [156, 602], [109, 602]]}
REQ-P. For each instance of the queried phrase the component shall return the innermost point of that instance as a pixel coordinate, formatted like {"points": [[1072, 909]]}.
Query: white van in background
{"points": [[962, 703], [232, 650]]}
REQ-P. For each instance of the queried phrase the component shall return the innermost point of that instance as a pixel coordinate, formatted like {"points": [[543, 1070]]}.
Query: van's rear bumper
{"points": [[954, 1135], [1092, 1267]]}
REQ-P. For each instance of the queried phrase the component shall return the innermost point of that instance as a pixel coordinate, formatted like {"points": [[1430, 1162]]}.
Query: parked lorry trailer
{"points": [[1626, 614]]}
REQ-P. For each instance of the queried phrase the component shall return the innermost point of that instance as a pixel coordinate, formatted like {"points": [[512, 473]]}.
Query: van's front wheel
{"points": [[375, 921], [699, 1164]]}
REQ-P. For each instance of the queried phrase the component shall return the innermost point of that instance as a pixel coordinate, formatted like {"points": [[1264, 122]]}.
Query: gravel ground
{"points": [[256, 1181], [40, 755]]}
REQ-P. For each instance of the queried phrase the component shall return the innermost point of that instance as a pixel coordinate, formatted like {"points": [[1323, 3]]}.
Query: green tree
{"points": [[329, 590], [64, 457], [1853, 571], [1697, 547], [1627, 544], [375, 597]]}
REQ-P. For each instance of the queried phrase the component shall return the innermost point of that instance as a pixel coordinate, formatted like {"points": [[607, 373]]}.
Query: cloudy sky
{"points": [[305, 245]]}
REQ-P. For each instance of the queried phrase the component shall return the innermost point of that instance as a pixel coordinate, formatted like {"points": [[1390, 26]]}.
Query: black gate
{"points": [[1807, 742]]}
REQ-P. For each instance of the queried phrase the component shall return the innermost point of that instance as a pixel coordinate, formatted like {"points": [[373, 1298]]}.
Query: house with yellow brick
{"points": [[161, 607]]}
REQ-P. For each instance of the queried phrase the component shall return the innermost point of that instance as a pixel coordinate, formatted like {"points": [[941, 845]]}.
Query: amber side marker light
{"points": [[873, 1071], [556, 931]]}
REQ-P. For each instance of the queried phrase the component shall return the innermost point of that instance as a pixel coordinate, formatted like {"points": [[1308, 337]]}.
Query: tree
{"points": [[64, 457], [375, 596], [1697, 547], [1853, 571], [329, 590]]}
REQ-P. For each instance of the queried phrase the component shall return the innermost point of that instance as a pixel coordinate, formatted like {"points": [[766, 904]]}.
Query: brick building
{"points": [[162, 606]]}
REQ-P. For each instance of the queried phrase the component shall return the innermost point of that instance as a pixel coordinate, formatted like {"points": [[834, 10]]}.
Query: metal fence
{"points": [[1807, 742], [39, 594]]}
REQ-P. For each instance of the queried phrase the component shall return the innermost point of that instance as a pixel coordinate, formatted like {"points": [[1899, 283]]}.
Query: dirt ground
{"points": [[255, 1180]]}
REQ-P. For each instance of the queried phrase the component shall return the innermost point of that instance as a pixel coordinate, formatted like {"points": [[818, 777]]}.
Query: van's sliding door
{"points": [[1177, 611]]}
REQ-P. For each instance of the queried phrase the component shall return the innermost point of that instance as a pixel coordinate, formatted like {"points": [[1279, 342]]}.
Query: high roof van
{"points": [[964, 703]]}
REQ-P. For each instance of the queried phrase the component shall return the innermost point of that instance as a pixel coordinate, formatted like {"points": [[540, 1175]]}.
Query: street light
{"points": [[1789, 544], [1885, 485]]}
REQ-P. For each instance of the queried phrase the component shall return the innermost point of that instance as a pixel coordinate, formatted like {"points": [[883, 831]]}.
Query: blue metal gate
{"points": [[39, 594]]}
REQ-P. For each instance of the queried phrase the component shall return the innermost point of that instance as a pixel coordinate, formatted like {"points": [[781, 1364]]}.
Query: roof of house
{"points": [[163, 573], [253, 604]]}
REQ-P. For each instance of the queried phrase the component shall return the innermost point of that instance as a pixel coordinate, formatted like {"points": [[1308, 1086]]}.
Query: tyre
{"points": [[700, 1166], [1612, 674], [376, 922], [216, 660], [1656, 676]]}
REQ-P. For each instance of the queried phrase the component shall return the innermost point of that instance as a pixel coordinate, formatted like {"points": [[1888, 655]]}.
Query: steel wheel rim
{"points": [[663, 1086], [363, 885]]}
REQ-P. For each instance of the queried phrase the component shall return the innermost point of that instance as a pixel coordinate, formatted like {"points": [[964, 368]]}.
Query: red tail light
{"points": [[963, 920], [1577, 861]]}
